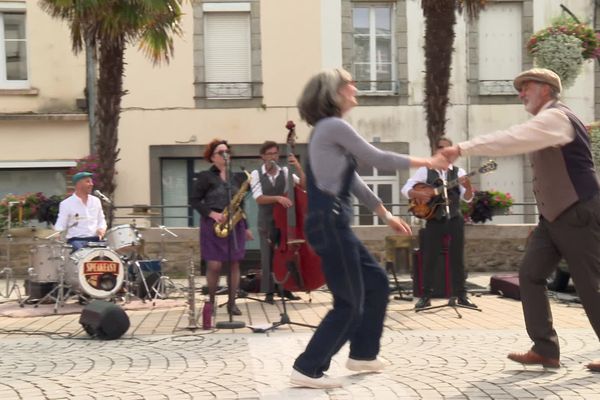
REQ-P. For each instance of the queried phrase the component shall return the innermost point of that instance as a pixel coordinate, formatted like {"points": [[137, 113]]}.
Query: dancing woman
{"points": [[358, 284]]}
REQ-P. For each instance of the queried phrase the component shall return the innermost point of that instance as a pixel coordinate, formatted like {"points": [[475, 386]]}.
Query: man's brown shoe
{"points": [[594, 366], [533, 358]]}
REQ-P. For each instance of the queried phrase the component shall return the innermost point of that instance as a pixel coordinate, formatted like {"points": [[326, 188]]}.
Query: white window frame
{"points": [[500, 86], [373, 47], [375, 180], [226, 90], [12, 7]]}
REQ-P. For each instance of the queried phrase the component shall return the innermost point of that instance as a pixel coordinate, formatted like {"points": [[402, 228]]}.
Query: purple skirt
{"points": [[214, 248]]}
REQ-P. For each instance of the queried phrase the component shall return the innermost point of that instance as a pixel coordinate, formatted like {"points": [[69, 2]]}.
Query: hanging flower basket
{"points": [[562, 48]]}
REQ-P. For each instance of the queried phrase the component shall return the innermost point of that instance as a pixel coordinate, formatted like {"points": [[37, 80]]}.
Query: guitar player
{"points": [[441, 227]]}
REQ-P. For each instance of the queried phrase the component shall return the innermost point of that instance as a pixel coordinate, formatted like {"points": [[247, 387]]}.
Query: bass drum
{"points": [[96, 272]]}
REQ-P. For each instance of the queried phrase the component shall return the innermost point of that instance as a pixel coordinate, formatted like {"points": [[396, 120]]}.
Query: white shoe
{"points": [[325, 382], [365, 365]]}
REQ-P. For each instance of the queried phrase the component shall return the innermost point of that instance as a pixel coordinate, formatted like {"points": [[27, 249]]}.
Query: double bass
{"points": [[295, 264]]}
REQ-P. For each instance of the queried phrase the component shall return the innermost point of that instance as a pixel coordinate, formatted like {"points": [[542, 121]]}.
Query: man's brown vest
{"points": [[564, 175]]}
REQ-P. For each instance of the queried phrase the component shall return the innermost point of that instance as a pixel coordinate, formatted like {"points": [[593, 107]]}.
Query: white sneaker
{"points": [[365, 365], [325, 382]]}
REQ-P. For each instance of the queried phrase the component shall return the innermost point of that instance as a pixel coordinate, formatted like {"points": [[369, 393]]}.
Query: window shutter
{"points": [[228, 54], [499, 47]]}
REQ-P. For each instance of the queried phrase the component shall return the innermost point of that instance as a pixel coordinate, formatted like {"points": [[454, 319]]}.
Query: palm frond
{"points": [[472, 7]]}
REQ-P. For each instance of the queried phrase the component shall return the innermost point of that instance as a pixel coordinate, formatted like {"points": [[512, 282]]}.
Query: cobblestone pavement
{"points": [[429, 355], [421, 365]]}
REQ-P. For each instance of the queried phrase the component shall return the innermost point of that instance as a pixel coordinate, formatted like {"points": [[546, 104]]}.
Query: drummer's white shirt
{"points": [[78, 219]]}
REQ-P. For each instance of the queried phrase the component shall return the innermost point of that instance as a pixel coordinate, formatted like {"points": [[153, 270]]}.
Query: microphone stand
{"points": [[231, 324]]}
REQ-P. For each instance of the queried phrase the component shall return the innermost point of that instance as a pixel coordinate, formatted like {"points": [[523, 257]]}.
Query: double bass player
{"points": [[269, 187]]}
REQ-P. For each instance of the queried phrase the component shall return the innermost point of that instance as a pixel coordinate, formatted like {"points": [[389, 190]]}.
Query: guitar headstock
{"points": [[489, 166]]}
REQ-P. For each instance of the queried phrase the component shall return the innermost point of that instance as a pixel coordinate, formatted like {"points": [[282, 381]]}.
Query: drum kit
{"points": [[109, 269]]}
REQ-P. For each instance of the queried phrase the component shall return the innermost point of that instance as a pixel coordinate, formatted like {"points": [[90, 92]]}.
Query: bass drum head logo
{"points": [[100, 272]]}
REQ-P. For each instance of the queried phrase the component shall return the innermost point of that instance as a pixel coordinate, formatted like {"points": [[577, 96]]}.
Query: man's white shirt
{"points": [[257, 187], [79, 219]]}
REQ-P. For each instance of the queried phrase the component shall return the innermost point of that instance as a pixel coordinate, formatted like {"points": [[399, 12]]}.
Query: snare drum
{"points": [[123, 238], [97, 272], [45, 259]]}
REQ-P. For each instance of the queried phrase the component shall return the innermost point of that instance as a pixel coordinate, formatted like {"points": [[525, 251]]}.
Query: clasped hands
{"points": [[444, 157]]}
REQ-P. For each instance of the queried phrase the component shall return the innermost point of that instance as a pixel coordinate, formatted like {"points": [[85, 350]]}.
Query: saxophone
{"points": [[222, 229]]}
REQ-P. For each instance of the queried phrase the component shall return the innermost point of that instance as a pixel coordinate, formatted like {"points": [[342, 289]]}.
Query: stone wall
{"points": [[491, 248], [488, 248]]}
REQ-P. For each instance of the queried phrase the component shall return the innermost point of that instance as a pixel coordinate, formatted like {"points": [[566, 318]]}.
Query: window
{"points": [[13, 47], [497, 51], [49, 181], [373, 66], [227, 54], [499, 48], [384, 184]]}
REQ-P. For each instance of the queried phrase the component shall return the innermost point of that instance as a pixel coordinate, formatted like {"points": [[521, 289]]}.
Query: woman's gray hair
{"points": [[320, 98]]}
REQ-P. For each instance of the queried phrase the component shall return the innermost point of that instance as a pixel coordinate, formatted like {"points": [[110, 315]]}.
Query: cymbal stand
{"points": [[164, 285], [11, 285], [8, 271]]}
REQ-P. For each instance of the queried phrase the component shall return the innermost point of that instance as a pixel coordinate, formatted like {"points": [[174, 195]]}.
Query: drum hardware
{"points": [[164, 286], [11, 283], [136, 271]]}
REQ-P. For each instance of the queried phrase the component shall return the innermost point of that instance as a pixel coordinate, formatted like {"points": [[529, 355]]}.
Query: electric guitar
{"points": [[427, 211]]}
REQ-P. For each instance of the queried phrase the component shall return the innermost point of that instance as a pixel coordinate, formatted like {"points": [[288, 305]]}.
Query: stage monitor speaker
{"points": [[104, 320]]}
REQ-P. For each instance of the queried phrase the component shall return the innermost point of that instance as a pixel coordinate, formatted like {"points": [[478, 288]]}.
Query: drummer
{"points": [[81, 215]]}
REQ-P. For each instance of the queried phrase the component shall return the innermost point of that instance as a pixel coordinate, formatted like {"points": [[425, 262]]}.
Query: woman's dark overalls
{"points": [[358, 284]]}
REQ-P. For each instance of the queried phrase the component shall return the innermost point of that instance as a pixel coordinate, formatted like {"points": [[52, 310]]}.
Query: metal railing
{"points": [[517, 209]]}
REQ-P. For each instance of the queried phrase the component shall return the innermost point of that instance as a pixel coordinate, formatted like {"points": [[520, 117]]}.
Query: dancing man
{"points": [[359, 285], [567, 193]]}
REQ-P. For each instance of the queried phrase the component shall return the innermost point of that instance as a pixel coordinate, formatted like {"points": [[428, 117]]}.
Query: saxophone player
{"points": [[210, 198]]}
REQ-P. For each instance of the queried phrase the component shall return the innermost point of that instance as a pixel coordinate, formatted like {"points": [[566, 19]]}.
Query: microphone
{"points": [[99, 194], [225, 155], [270, 165]]}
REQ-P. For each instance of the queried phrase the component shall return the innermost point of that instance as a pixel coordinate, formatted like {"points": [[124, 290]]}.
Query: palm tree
{"points": [[440, 19], [110, 26]]}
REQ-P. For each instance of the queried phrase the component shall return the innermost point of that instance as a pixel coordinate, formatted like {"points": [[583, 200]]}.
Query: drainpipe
{"points": [[90, 78]]}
